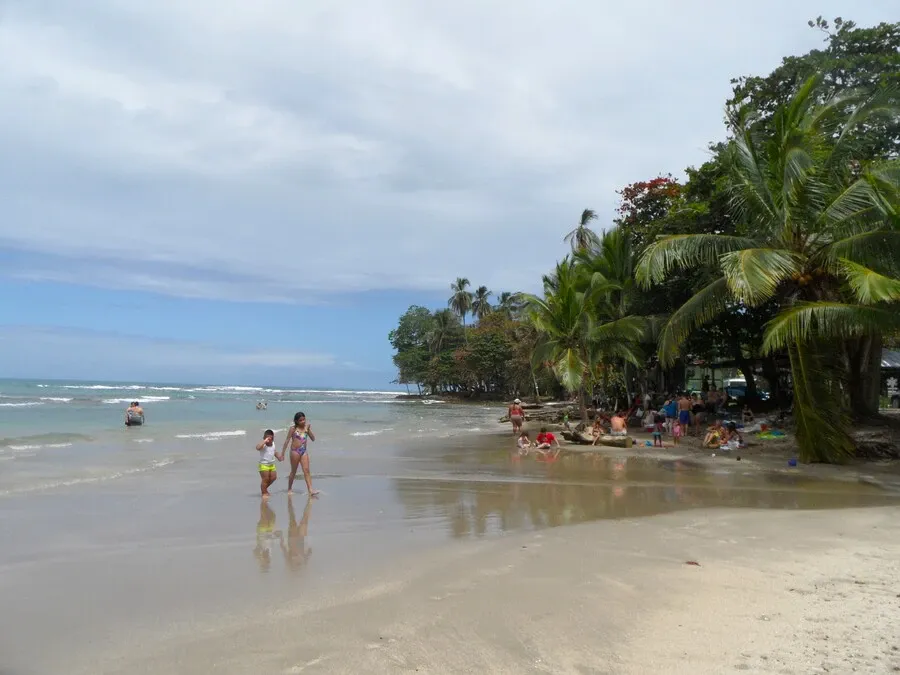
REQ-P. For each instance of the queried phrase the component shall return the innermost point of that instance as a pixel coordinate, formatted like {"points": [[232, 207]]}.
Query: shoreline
{"points": [[786, 591]]}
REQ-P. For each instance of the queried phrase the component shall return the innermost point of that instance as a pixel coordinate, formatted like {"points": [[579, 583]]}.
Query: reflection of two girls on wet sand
{"points": [[295, 552]]}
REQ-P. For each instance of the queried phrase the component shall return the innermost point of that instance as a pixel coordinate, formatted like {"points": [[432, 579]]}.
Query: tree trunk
{"points": [[745, 365], [582, 402], [770, 372], [864, 377]]}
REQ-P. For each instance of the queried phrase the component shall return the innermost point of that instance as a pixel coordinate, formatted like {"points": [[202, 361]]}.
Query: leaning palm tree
{"points": [[822, 240], [572, 338], [481, 302], [461, 300], [583, 237]]}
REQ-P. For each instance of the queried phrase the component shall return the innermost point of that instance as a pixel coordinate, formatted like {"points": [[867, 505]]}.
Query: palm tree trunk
{"points": [[864, 375], [582, 402]]}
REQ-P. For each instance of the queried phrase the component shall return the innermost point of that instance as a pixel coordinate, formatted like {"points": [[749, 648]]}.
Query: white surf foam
{"points": [[141, 399], [27, 404], [213, 435], [374, 432]]}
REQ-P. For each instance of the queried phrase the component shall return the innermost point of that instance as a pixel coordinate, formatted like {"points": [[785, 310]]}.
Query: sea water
{"points": [[55, 435]]}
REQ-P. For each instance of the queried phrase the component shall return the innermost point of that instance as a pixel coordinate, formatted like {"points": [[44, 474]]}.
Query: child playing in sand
{"points": [[545, 441], [267, 472], [677, 431], [658, 433], [524, 443]]}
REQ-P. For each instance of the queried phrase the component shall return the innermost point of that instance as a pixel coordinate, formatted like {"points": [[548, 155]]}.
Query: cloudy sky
{"points": [[218, 190]]}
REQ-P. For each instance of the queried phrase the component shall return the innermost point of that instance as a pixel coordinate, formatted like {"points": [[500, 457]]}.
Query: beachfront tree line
{"points": [[780, 253]]}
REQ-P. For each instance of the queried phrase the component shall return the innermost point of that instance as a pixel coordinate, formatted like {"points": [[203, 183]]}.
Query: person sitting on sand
{"points": [[618, 426], [545, 441], [516, 416], [732, 439], [524, 443], [714, 435]]}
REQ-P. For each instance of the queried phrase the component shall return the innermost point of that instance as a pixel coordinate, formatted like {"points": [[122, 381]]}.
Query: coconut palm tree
{"points": [[573, 339], [445, 327], [822, 239], [461, 300], [583, 237], [481, 303]]}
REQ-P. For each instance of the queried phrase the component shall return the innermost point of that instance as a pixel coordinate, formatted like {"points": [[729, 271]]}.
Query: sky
{"points": [[252, 193]]}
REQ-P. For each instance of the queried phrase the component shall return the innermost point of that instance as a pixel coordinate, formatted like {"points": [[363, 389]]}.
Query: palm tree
{"points": [[583, 237], [481, 304], [573, 340], [822, 240], [461, 300], [445, 327], [606, 274]]}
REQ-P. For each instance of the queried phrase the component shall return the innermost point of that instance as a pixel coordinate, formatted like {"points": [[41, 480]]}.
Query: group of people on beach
{"points": [[544, 443], [298, 436]]}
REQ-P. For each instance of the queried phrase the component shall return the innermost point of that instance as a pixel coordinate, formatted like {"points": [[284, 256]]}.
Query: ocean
{"points": [[61, 434]]}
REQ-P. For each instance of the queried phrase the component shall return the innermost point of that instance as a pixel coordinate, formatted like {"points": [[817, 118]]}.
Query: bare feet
{"points": [[265, 496], [290, 492], [313, 493]]}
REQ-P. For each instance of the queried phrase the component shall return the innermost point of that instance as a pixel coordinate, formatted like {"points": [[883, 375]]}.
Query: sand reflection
{"points": [[578, 489]]}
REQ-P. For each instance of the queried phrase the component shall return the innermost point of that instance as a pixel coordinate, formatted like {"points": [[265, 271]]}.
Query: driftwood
{"points": [[550, 415], [605, 441]]}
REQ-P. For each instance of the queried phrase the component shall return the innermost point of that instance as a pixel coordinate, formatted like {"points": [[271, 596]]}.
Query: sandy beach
{"points": [[774, 592], [435, 548]]}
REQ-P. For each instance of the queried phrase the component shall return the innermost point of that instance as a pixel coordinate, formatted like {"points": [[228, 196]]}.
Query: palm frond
{"points": [[869, 286], [874, 248], [626, 329], [803, 322], [754, 274], [702, 308], [685, 251], [856, 201]]}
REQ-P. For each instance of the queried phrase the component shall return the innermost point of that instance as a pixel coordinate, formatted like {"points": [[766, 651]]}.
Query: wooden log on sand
{"points": [[605, 441]]}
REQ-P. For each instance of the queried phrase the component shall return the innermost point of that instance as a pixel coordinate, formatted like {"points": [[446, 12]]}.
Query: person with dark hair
{"points": [[266, 466], [134, 415], [298, 435]]}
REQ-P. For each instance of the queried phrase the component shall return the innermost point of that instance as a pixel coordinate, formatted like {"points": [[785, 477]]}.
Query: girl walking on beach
{"points": [[298, 436]]}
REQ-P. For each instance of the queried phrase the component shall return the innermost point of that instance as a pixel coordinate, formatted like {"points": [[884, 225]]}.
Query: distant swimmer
{"points": [[134, 415], [262, 405], [299, 434]]}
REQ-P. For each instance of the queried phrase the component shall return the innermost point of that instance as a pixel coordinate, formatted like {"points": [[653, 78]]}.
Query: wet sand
{"points": [[775, 592], [439, 556]]}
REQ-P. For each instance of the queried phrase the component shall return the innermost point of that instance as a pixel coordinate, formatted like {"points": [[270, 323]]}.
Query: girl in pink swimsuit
{"points": [[298, 436]]}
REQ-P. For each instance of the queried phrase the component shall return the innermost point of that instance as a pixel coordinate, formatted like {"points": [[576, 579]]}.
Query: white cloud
{"points": [[280, 150], [125, 356]]}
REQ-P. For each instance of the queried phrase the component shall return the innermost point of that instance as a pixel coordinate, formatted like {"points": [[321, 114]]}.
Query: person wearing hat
{"points": [[516, 416]]}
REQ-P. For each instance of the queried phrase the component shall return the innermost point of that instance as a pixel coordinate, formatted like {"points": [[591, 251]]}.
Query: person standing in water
{"points": [[516, 416], [298, 436]]}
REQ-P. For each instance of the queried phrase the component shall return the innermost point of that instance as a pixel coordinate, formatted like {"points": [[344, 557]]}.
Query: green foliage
{"points": [[800, 186], [852, 58]]}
